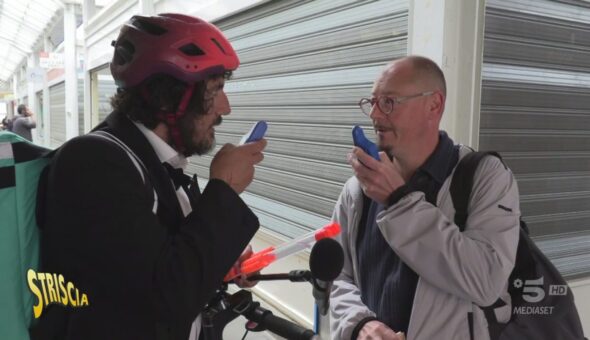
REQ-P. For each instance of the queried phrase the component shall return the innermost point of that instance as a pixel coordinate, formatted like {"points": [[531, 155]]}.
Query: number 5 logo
{"points": [[533, 290]]}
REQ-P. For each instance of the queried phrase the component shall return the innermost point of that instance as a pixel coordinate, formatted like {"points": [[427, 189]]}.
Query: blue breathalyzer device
{"points": [[256, 133], [360, 140]]}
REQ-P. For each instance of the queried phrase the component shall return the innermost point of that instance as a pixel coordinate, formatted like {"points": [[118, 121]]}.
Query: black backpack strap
{"points": [[462, 183], [141, 168], [461, 187]]}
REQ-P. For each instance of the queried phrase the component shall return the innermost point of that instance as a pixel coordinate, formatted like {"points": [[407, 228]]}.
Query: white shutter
{"points": [[57, 114], [536, 113]]}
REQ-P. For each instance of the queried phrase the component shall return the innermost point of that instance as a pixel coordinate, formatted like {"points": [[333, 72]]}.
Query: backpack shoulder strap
{"points": [[141, 168], [462, 183], [134, 158]]}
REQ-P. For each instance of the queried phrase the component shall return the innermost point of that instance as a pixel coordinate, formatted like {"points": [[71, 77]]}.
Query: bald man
{"points": [[408, 269]]}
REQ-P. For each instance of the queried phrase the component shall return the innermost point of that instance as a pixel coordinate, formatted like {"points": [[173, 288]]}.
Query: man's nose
{"points": [[222, 106], [376, 113]]}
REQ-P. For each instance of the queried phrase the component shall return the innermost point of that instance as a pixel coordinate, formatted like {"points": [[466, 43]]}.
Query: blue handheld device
{"points": [[256, 133], [360, 140]]}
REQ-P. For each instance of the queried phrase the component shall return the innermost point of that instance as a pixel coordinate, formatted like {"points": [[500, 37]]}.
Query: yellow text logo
{"points": [[52, 288]]}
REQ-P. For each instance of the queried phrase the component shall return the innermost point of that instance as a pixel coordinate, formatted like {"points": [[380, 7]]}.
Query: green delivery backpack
{"points": [[21, 164]]}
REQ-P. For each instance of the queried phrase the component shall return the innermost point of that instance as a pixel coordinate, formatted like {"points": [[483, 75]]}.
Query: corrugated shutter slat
{"points": [[536, 112], [57, 112]]}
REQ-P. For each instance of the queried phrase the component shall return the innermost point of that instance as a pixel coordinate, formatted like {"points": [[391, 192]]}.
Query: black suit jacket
{"points": [[146, 276]]}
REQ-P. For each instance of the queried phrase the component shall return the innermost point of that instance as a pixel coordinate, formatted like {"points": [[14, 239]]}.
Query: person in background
{"points": [[6, 124], [122, 222], [408, 269], [24, 122]]}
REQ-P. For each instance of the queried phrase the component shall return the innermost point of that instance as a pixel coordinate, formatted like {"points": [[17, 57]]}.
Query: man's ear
{"points": [[436, 105]]}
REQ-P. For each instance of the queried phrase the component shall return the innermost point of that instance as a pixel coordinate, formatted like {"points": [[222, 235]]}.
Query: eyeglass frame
{"points": [[395, 100]]}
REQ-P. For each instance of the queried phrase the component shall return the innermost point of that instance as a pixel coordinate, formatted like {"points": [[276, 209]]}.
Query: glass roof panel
{"points": [[22, 22]]}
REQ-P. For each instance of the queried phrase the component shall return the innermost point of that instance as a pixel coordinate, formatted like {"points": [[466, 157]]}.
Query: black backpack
{"points": [[542, 302]]}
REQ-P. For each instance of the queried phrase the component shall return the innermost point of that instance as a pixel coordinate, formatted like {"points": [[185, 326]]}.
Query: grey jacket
{"points": [[22, 126], [457, 271]]}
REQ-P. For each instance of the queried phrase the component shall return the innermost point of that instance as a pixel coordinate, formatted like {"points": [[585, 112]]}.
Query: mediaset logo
{"points": [[533, 292], [54, 289]]}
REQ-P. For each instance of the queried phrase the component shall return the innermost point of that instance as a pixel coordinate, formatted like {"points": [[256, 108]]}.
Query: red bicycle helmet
{"points": [[184, 47]]}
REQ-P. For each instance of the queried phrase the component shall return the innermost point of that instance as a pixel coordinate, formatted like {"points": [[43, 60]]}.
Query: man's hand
{"points": [[32, 123], [377, 330], [235, 164], [378, 179], [242, 280]]}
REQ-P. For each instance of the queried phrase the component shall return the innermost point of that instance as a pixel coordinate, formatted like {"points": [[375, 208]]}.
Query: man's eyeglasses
{"points": [[385, 103]]}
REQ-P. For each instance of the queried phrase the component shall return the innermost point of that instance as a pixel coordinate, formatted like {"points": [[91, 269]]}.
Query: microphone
{"points": [[325, 262]]}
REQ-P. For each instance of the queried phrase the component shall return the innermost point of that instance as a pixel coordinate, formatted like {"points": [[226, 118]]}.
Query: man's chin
{"points": [[199, 149], [388, 149]]}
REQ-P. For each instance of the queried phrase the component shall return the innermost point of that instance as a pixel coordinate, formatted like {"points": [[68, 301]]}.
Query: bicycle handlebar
{"points": [[227, 307], [287, 329]]}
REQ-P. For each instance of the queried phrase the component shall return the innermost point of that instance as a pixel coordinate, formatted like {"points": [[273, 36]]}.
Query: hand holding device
{"points": [[235, 164], [360, 140], [256, 133]]}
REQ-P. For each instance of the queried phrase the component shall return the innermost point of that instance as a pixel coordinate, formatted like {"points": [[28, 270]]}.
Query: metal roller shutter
{"points": [[57, 114], [304, 66], [536, 112], [80, 107], [39, 114]]}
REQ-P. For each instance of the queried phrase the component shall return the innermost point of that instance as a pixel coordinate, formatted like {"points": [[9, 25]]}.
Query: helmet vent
{"points": [[218, 45], [147, 27], [192, 50]]}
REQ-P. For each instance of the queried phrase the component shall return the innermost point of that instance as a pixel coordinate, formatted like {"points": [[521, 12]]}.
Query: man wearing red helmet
{"points": [[120, 220]]}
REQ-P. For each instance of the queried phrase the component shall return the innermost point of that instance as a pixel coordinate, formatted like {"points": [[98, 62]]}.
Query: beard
{"points": [[196, 144]]}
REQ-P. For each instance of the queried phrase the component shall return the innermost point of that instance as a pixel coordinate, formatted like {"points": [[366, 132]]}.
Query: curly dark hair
{"points": [[164, 95]]}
